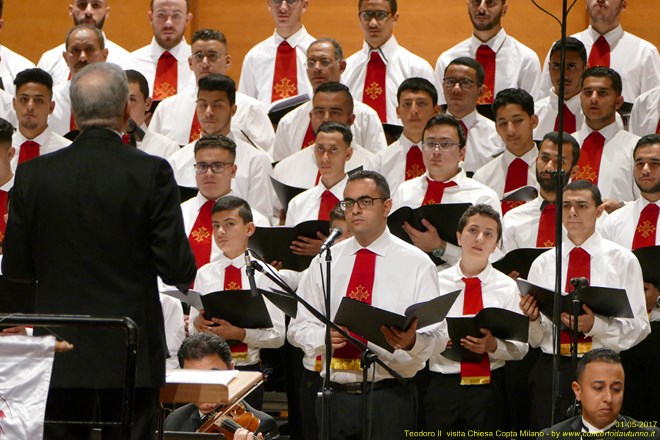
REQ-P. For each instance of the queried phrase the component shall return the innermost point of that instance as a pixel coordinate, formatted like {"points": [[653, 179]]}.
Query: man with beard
{"points": [[507, 62], [91, 12], [533, 224], [608, 45]]}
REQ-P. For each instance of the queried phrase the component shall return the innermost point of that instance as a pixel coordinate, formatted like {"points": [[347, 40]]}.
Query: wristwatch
{"points": [[657, 301], [440, 251]]}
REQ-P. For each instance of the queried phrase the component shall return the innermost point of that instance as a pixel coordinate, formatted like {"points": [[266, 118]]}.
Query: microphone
{"points": [[580, 283], [250, 273], [334, 234]]}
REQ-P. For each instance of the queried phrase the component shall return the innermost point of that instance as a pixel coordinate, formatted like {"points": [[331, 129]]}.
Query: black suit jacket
{"points": [[95, 224], [623, 424], [186, 419]]}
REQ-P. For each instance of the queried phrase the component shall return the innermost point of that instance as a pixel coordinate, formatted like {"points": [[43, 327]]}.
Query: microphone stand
{"points": [[326, 391], [578, 284], [367, 357]]}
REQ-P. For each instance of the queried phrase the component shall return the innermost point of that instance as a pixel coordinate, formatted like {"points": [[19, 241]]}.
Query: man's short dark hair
{"points": [[228, 203], [514, 96], [381, 183], [200, 345], [94, 29], [566, 138], [6, 132], [480, 209], [645, 141], [1, 7], [596, 355], [472, 63], [336, 213], [416, 84], [34, 75], [579, 185], [392, 3], [572, 45], [337, 127], [208, 35], [605, 72], [335, 87], [447, 119], [151, 6], [216, 82], [135, 77], [216, 141], [339, 52]]}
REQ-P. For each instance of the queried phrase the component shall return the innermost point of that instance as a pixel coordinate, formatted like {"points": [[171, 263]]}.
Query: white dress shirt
{"points": [[611, 266], [493, 174], [60, 120], [645, 113], [516, 64], [53, 62], [253, 171], [615, 179], [620, 226], [211, 278], [547, 110], [498, 290], [483, 142], [145, 61], [367, 130], [11, 64], [156, 144], [174, 116], [636, 60], [48, 142], [411, 193], [7, 108], [403, 276], [175, 331], [401, 65], [259, 66], [393, 161], [305, 206]]}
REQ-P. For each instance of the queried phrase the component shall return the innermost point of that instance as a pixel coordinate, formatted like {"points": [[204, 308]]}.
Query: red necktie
{"points": [[657, 130], [328, 201], [414, 163], [600, 53], [590, 154], [435, 191], [285, 79], [569, 121], [3, 211], [165, 84], [486, 57], [516, 177], [646, 227], [201, 235], [72, 123], [195, 129], [546, 234], [234, 281], [374, 94], [474, 373], [579, 265], [360, 288], [309, 139], [29, 150], [465, 130]]}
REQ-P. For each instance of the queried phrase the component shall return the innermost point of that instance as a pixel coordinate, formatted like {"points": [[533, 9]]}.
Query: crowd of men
{"points": [[99, 146]]}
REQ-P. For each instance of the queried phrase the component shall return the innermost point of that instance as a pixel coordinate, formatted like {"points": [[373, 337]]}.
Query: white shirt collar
{"points": [[379, 246], [387, 50], [294, 40], [494, 43], [179, 51], [612, 36]]}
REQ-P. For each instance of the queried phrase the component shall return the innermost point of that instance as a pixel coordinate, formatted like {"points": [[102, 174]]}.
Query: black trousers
{"points": [[448, 405], [540, 384], [99, 405], [310, 385], [642, 366]]}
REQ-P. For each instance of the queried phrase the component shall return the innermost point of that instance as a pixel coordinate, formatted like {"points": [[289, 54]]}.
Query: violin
{"points": [[226, 420]]}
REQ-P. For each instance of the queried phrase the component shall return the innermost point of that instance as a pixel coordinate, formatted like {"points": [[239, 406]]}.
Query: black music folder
{"points": [[285, 192], [503, 324], [444, 217], [649, 258], [17, 297], [283, 301], [238, 307], [273, 243], [604, 301], [280, 108], [519, 260], [366, 320], [524, 194]]}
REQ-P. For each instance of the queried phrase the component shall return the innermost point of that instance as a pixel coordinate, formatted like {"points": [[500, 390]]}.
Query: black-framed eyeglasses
{"points": [[279, 2], [464, 83], [370, 15], [443, 146], [216, 167], [363, 202], [212, 57]]}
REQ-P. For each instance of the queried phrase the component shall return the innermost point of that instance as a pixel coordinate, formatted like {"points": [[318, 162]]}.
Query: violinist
{"points": [[206, 351]]}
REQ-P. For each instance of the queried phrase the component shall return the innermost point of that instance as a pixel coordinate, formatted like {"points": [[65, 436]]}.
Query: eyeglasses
{"points": [[216, 167], [367, 16], [212, 57], [443, 146], [279, 2], [323, 62], [363, 202], [450, 82]]}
